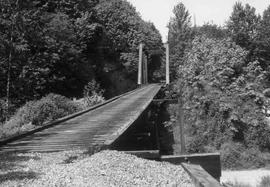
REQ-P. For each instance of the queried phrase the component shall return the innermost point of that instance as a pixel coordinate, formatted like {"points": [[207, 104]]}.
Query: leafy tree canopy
{"points": [[59, 46], [179, 37], [243, 25], [222, 94]]}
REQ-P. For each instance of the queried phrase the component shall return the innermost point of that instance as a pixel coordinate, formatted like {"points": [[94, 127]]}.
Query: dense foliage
{"points": [[179, 37], [36, 113], [243, 25], [58, 46], [126, 30], [211, 31], [223, 96], [223, 86]]}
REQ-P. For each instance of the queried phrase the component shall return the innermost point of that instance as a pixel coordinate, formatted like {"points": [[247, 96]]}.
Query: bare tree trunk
{"points": [[8, 84], [10, 62], [8, 73]]}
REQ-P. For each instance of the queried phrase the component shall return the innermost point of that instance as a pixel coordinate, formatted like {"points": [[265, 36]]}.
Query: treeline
{"points": [[222, 75], [59, 46]]}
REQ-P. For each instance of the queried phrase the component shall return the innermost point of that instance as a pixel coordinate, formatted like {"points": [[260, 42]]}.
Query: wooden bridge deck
{"points": [[101, 126]]}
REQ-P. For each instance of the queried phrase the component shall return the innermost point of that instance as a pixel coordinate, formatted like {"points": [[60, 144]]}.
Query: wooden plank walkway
{"points": [[100, 127]]}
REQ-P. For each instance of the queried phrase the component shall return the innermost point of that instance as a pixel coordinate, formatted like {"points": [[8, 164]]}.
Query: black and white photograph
{"points": [[134, 93]]}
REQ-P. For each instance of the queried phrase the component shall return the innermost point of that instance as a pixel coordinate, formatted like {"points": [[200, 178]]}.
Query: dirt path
{"points": [[251, 177]]}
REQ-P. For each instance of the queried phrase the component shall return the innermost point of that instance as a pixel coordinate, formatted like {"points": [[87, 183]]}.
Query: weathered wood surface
{"points": [[199, 176], [21, 135], [99, 127], [147, 154], [209, 161]]}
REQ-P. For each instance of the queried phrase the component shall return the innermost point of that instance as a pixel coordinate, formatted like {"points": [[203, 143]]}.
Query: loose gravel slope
{"points": [[75, 168]]}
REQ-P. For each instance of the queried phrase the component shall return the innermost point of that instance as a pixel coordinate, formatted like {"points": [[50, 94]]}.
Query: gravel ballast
{"points": [[106, 168]]}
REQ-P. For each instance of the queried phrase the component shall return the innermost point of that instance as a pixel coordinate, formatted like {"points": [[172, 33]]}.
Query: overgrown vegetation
{"points": [[63, 47], [93, 94], [37, 113], [58, 46], [49, 108], [223, 82], [265, 182]]}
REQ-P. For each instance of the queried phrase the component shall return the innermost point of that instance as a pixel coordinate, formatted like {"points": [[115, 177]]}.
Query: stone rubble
{"points": [[106, 168]]}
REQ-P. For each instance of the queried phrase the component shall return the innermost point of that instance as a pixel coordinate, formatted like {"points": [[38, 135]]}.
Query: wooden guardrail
{"points": [[199, 176], [203, 169], [208, 161], [199, 172]]}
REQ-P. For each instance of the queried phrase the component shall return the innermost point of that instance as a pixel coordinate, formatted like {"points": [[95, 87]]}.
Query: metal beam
{"points": [[146, 70], [140, 64], [167, 64]]}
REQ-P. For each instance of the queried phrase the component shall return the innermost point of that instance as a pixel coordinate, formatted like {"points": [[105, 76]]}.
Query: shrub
{"points": [[58, 106], [93, 94], [93, 100], [36, 113], [2, 110], [265, 182], [252, 158], [237, 156], [231, 155]]}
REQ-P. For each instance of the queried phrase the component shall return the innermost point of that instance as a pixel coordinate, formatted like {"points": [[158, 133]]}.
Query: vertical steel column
{"points": [[167, 64], [146, 70], [140, 64]]}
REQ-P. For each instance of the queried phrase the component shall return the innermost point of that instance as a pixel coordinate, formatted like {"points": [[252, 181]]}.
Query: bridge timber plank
{"points": [[101, 126], [199, 176]]}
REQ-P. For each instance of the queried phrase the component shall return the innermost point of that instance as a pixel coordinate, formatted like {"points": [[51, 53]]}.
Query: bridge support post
{"points": [[145, 74], [181, 126], [140, 64], [146, 70], [167, 64]]}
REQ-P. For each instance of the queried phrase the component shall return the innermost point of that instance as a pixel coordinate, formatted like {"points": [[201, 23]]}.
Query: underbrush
{"points": [[93, 94], [265, 182], [36, 113], [201, 138], [236, 156], [223, 103]]}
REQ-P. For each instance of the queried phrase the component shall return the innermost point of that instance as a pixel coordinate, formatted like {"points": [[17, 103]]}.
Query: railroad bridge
{"points": [[100, 126], [105, 125], [119, 123]]}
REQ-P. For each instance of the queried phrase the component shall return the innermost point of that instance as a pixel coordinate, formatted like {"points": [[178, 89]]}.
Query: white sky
{"points": [[216, 11]]}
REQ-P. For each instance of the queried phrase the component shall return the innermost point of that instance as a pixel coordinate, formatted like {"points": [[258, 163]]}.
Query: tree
{"points": [[223, 96], [59, 46], [243, 25], [50, 48], [13, 45], [179, 37], [211, 31], [124, 30], [263, 43]]}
